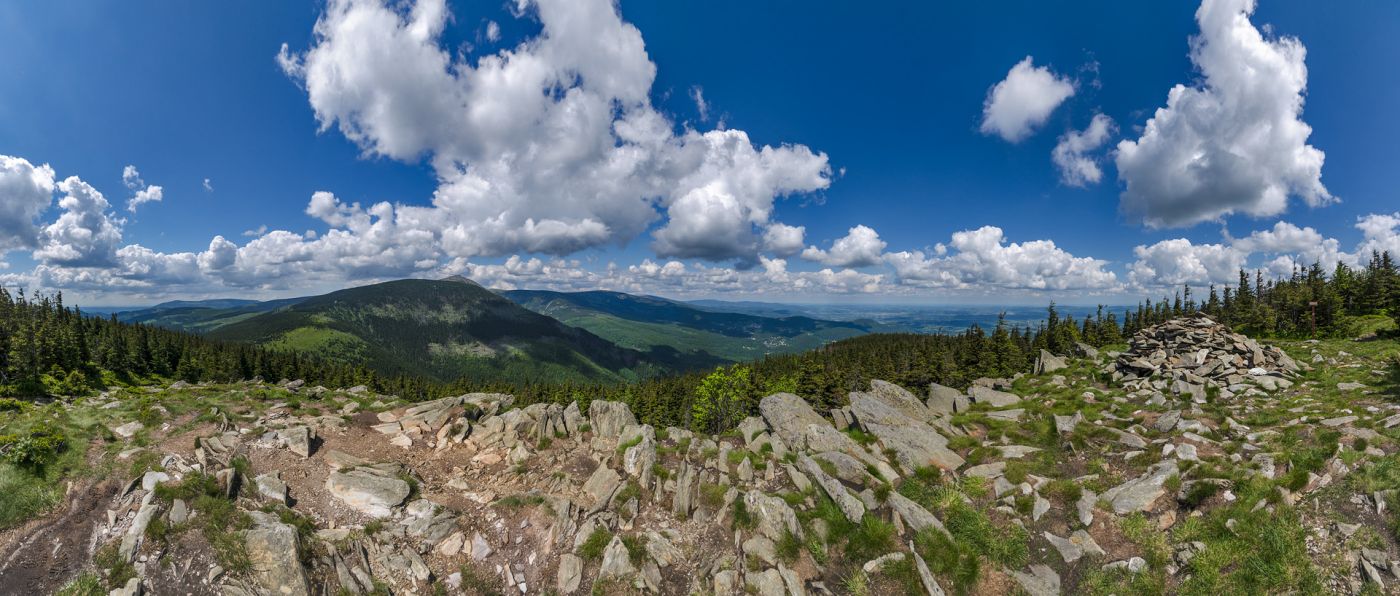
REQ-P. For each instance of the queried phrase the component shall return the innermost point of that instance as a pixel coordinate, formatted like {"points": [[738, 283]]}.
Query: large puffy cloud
{"points": [[1285, 246], [1071, 154], [860, 247], [1380, 233], [784, 240], [26, 190], [1295, 246], [1179, 261], [668, 277], [1235, 144], [85, 235], [982, 258], [1023, 100], [551, 146]]}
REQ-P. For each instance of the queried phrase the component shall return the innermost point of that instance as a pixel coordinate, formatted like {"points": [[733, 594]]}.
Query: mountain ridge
{"points": [[650, 322], [440, 329]]}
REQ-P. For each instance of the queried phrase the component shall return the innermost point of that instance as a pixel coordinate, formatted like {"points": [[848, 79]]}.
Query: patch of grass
{"points": [[980, 455], [1265, 553], [628, 491], [870, 538], [860, 436], [220, 521], [1064, 490], [1016, 471], [86, 584], [1310, 458], [904, 573], [116, 568], [593, 547], [623, 447], [712, 495], [142, 462], [477, 581], [636, 545], [963, 442], [882, 492], [520, 500], [789, 547], [190, 488], [1006, 546], [921, 486], [37, 462], [951, 559], [857, 583], [1172, 483], [241, 465], [743, 519], [1199, 492], [158, 530]]}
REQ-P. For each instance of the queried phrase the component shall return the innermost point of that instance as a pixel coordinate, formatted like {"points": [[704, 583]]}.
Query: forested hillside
{"points": [[47, 348], [440, 330], [705, 337]]}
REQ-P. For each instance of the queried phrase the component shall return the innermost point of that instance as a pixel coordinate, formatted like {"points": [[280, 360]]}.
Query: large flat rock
{"points": [[367, 490], [992, 397], [789, 416], [1140, 493], [272, 550], [900, 426], [608, 418]]}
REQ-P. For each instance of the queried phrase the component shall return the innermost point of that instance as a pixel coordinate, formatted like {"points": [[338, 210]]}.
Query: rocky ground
{"points": [[1195, 461]]}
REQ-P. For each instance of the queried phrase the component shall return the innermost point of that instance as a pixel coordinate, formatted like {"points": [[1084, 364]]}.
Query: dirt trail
{"points": [[43, 558]]}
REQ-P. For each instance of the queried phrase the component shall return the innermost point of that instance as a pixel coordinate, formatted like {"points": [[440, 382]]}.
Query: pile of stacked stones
{"points": [[1188, 354]]}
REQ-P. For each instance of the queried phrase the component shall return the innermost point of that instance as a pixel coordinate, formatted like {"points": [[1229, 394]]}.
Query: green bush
{"points": [[34, 449]]}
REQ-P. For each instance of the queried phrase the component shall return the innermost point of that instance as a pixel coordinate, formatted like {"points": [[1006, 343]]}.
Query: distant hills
{"points": [[439, 329], [201, 316], [650, 323], [449, 328]]}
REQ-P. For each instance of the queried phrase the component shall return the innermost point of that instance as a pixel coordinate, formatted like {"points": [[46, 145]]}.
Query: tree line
{"points": [[1307, 303], [47, 348]]}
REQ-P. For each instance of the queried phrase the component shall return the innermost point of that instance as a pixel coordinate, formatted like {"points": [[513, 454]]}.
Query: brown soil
{"points": [[51, 551]]}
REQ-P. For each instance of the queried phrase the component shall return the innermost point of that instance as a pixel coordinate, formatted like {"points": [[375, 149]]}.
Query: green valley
{"points": [[650, 323]]}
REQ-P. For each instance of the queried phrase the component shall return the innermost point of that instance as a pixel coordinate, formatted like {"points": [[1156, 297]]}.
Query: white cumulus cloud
{"points": [[860, 247], [1234, 144], [1278, 249], [551, 146], [26, 190], [143, 193], [784, 240], [982, 258], [86, 234], [1071, 154], [1380, 233], [1023, 100]]}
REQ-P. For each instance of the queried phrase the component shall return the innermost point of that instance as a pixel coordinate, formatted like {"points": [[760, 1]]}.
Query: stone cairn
{"points": [[1188, 354]]}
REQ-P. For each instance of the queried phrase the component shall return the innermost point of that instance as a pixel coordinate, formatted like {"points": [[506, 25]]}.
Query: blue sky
{"points": [[890, 120]]}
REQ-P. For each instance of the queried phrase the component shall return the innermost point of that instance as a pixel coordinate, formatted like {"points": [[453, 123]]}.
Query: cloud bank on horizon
{"points": [[553, 147]]}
